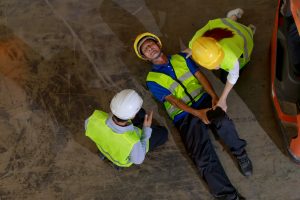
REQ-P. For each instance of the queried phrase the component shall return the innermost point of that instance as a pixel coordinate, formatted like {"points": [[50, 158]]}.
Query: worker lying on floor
{"points": [[226, 45], [117, 134], [188, 96]]}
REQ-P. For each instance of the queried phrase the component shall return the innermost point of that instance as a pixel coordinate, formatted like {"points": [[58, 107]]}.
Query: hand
{"points": [[214, 101], [188, 52], [222, 103], [148, 119], [201, 114]]}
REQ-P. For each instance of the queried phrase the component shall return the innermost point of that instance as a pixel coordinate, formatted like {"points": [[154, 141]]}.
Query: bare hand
{"points": [[222, 104], [148, 119], [201, 114], [214, 101], [188, 52]]}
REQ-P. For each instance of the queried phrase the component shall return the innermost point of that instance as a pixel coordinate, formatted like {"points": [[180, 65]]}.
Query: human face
{"points": [[150, 50]]}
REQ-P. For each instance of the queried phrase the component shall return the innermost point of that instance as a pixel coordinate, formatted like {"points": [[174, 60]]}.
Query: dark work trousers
{"points": [[194, 134], [159, 134]]}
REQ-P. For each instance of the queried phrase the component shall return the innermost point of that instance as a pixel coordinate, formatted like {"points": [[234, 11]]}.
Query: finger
{"points": [[146, 118], [151, 115], [206, 109], [205, 121], [150, 118]]}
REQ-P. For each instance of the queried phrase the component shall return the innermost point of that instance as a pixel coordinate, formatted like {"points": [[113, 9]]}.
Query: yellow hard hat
{"points": [[140, 39], [207, 52]]}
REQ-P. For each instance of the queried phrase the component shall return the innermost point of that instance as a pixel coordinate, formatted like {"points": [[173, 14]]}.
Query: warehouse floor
{"points": [[60, 60]]}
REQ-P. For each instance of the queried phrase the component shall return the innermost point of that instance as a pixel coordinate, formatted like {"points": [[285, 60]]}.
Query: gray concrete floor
{"points": [[60, 60]]}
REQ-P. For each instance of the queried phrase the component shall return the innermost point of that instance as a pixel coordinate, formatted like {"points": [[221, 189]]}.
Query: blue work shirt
{"points": [[160, 92]]}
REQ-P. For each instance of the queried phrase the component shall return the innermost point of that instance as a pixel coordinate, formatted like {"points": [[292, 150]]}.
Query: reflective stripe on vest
{"points": [[226, 22], [240, 44], [182, 78], [114, 146], [187, 79]]}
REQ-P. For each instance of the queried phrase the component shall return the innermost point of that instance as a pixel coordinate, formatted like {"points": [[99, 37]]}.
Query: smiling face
{"points": [[150, 49]]}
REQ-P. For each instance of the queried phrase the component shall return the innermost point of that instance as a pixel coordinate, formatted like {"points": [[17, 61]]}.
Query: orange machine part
{"points": [[295, 8], [294, 147]]}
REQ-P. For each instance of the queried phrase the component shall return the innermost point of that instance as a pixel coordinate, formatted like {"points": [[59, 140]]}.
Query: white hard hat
{"points": [[126, 104]]}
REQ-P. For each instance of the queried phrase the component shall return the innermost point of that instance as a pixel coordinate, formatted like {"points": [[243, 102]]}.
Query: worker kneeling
{"points": [[117, 134]]}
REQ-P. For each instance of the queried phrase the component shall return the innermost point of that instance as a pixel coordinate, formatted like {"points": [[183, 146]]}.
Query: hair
{"points": [[218, 33], [118, 119]]}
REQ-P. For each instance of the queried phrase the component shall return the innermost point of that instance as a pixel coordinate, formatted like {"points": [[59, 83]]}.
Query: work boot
{"points": [[240, 198], [238, 12], [245, 164], [234, 196]]}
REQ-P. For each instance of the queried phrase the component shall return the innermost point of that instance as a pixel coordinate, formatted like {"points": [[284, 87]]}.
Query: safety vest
{"points": [[240, 44], [186, 87], [114, 146]]}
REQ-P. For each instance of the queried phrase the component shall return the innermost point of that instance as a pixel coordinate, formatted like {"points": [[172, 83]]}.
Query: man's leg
{"points": [[225, 129], [158, 137], [198, 145]]}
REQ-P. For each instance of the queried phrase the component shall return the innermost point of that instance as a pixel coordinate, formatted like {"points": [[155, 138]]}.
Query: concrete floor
{"points": [[61, 59]]}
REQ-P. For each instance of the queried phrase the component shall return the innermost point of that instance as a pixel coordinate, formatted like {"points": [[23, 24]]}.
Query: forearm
{"points": [[226, 90], [86, 123], [138, 153], [147, 131], [139, 150], [206, 84], [181, 105], [201, 114]]}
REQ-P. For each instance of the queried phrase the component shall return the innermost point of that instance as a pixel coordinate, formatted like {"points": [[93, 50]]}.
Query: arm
{"points": [[139, 150], [201, 114], [86, 123], [232, 78], [207, 87], [222, 101]]}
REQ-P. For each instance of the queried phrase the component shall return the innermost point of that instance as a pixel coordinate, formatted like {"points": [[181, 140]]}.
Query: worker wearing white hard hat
{"points": [[117, 138]]}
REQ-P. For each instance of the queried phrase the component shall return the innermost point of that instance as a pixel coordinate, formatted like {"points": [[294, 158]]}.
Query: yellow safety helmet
{"points": [[140, 39], [207, 52]]}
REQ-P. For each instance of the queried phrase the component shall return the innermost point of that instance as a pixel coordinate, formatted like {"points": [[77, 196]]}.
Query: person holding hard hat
{"points": [[115, 135], [188, 98], [223, 44]]}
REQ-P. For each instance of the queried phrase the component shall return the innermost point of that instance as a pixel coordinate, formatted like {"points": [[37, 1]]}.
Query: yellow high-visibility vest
{"points": [[240, 44], [185, 77], [114, 146]]}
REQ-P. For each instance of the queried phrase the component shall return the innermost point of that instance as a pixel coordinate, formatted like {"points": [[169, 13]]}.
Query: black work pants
{"points": [[194, 134]]}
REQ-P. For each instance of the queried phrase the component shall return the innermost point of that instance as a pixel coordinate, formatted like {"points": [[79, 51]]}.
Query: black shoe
{"points": [[234, 196], [245, 164], [240, 197]]}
